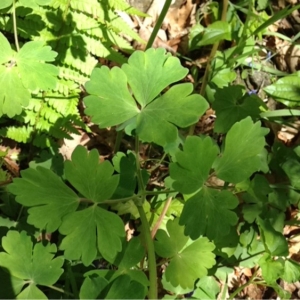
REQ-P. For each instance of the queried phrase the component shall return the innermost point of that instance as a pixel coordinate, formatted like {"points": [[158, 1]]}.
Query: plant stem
{"points": [[60, 290], [152, 293], [72, 281], [158, 24], [118, 141], [209, 62], [15, 26]]}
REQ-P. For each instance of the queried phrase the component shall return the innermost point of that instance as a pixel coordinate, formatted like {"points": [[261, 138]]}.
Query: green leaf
{"points": [[110, 102], [132, 253], [175, 245], [92, 287], [243, 147], [12, 104], [209, 212], [123, 287], [89, 176], [274, 240], [4, 4], [156, 116], [286, 90], [206, 288], [214, 33], [6, 53], [33, 264], [193, 164], [231, 106], [271, 269], [150, 72], [292, 169], [50, 197], [95, 228], [32, 292], [35, 74], [291, 271]]}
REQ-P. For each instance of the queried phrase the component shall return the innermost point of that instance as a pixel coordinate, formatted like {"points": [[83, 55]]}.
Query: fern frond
{"points": [[19, 134]]}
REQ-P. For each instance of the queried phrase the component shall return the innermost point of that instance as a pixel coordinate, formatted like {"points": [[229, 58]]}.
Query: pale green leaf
{"points": [[35, 73], [244, 144], [89, 176], [193, 164], [5, 3], [96, 229], [32, 292], [150, 72], [209, 212], [11, 104], [110, 102], [156, 116], [5, 49]]}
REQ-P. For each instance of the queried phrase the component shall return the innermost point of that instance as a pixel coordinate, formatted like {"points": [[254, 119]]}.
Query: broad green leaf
{"points": [[34, 3], [96, 229], [110, 102], [150, 72], [48, 196], [132, 253], [286, 90], [92, 287], [155, 116], [214, 33], [4, 4], [271, 269], [231, 106], [180, 249], [6, 52], [209, 212], [291, 271], [123, 287], [35, 73], [193, 164], [275, 241], [11, 104], [244, 144], [156, 123], [126, 167], [35, 265], [206, 288], [89, 176], [32, 292], [292, 169]]}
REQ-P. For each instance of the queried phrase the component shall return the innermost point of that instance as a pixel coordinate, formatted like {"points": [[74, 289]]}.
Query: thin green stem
{"points": [[72, 281], [138, 168], [118, 141], [239, 289], [207, 72], [154, 193], [152, 293], [158, 23], [15, 26]]}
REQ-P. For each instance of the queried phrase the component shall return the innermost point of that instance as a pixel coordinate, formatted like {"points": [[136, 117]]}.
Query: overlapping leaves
{"points": [[176, 246], [142, 106], [32, 265], [24, 72], [53, 205]]}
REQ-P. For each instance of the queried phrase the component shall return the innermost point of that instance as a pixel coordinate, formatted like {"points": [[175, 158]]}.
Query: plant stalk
{"points": [[209, 62], [158, 24], [152, 293]]}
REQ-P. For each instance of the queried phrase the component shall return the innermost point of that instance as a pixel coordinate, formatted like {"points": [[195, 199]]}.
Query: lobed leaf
{"points": [[193, 164], [244, 145], [35, 265], [209, 212]]}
